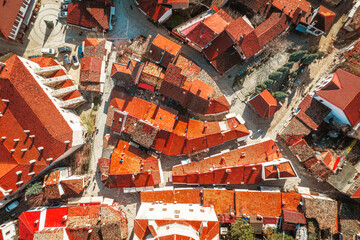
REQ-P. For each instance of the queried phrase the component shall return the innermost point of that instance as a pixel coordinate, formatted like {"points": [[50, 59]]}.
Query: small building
{"points": [[59, 183], [92, 15], [130, 168], [160, 10], [163, 51], [291, 220], [175, 221], [92, 219], [93, 65], [264, 104], [129, 73], [341, 93], [18, 14], [8, 230]]}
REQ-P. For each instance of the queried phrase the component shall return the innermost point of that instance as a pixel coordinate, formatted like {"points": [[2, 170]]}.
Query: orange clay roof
{"points": [[267, 204], [25, 113], [230, 167], [127, 160], [265, 104], [177, 135], [171, 196], [91, 42], [291, 201], [223, 201], [218, 22], [165, 43]]}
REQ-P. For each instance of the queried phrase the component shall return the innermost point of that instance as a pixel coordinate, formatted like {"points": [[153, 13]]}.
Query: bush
{"points": [[271, 234], [294, 74], [276, 76], [289, 64], [283, 69], [34, 189], [309, 58], [268, 83], [241, 230], [280, 96], [297, 56], [313, 49]]}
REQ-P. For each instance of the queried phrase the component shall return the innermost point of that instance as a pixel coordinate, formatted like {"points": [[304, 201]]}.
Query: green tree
{"points": [[280, 96], [283, 69], [271, 234], [34, 189], [297, 56], [241, 230], [309, 58], [269, 83], [276, 76], [289, 64]]}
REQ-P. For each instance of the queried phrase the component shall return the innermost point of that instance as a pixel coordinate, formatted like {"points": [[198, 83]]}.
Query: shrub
{"points": [[269, 83], [271, 234], [297, 56], [241, 230], [276, 76], [283, 69], [34, 189], [313, 49], [289, 64], [280, 96], [309, 58]]}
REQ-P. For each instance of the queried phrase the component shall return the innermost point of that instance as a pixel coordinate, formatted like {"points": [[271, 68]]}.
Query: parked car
{"points": [[67, 59], [75, 60], [64, 7], [64, 49], [62, 14], [80, 52], [65, 1], [48, 51], [12, 206], [34, 56]]}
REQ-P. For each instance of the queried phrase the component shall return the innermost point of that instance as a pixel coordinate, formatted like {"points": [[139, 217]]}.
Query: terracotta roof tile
{"points": [[9, 10], [90, 69], [312, 112], [265, 104], [163, 50], [267, 204], [347, 98], [238, 28], [223, 201], [218, 21], [151, 8], [130, 167]]}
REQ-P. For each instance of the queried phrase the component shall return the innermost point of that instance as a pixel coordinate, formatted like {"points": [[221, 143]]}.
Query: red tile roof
{"points": [[353, 56], [90, 69], [170, 139], [9, 10], [265, 104], [131, 167], [89, 14], [271, 28], [346, 97], [163, 50], [218, 21], [294, 217], [238, 28], [293, 8], [326, 17], [250, 45], [312, 112], [172, 196], [27, 226], [242, 165], [151, 8], [218, 46], [29, 108], [223, 201], [266, 204]]}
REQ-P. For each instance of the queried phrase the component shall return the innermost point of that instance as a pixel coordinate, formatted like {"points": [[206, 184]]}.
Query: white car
{"points": [[48, 51]]}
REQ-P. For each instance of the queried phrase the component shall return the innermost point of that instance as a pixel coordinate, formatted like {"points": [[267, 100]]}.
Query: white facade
{"points": [[8, 230]]}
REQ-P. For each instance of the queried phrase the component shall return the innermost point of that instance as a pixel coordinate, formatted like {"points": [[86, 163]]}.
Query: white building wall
{"points": [[8, 230], [335, 111]]}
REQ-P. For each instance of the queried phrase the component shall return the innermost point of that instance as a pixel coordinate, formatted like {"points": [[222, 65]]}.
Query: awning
{"points": [[146, 86]]}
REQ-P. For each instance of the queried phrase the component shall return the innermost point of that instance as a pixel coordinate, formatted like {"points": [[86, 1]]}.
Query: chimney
{"points": [[3, 137], [12, 150], [36, 221], [31, 173], [26, 131], [228, 170], [18, 172], [40, 148], [24, 149], [5, 100], [243, 154], [32, 136], [32, 161], [67, 141], [64, 218], [16, 140], [253, 169], [49, 159], [19, 183]]}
